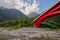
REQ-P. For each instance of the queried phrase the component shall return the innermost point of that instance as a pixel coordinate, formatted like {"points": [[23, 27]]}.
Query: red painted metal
{"points": [[54, 11]]}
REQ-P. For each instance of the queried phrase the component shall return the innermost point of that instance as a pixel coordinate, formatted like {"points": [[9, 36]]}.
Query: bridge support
{"points": [[53, 11]]}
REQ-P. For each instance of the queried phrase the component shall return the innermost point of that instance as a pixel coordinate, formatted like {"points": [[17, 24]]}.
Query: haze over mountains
{"points": [[25, 7], [18, 5], [32, 14], [10, 14]]}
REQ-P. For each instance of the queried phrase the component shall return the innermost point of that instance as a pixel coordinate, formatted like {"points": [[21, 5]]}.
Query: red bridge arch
{"points": [[53, 11]]}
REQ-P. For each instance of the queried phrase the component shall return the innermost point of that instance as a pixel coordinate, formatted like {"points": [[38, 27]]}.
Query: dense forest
{"points": [[53, 22]]}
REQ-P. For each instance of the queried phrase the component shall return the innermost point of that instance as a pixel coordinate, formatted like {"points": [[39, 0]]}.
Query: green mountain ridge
{"points": [[10, 14]]}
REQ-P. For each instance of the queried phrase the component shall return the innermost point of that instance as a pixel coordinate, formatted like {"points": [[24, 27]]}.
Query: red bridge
{"points": [[53, 11]]}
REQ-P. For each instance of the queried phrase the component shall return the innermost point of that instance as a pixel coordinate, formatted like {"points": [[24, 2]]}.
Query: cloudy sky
{"points": [[28, 6]]}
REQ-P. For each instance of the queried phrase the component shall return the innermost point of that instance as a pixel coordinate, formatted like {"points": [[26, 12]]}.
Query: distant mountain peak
{"points": [[32, 14]]}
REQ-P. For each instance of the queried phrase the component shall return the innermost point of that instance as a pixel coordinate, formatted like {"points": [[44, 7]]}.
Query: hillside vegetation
{"points": [[15, 24], [53, 23]]}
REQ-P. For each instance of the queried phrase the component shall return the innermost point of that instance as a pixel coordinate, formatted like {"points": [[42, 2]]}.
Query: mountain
{"points": [[32, 14], [10, 14], [25, 6]]}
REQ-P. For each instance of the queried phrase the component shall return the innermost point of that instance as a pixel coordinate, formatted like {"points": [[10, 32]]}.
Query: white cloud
{"points": [[18, 4], [28, 7], [31, 8]]}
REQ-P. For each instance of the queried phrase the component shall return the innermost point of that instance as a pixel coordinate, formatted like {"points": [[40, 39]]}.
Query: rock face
{"points": [[29, 34]]}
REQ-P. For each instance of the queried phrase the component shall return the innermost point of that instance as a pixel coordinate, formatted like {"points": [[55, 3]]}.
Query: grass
{"points": [[56, 30], [14, 27]]}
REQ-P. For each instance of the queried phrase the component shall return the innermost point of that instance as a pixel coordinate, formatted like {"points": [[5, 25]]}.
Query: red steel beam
{"points": [[41, 19], [54, 11]]}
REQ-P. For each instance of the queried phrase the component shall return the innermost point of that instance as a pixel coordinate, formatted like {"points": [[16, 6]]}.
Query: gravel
{"points": [[28, 34]]}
